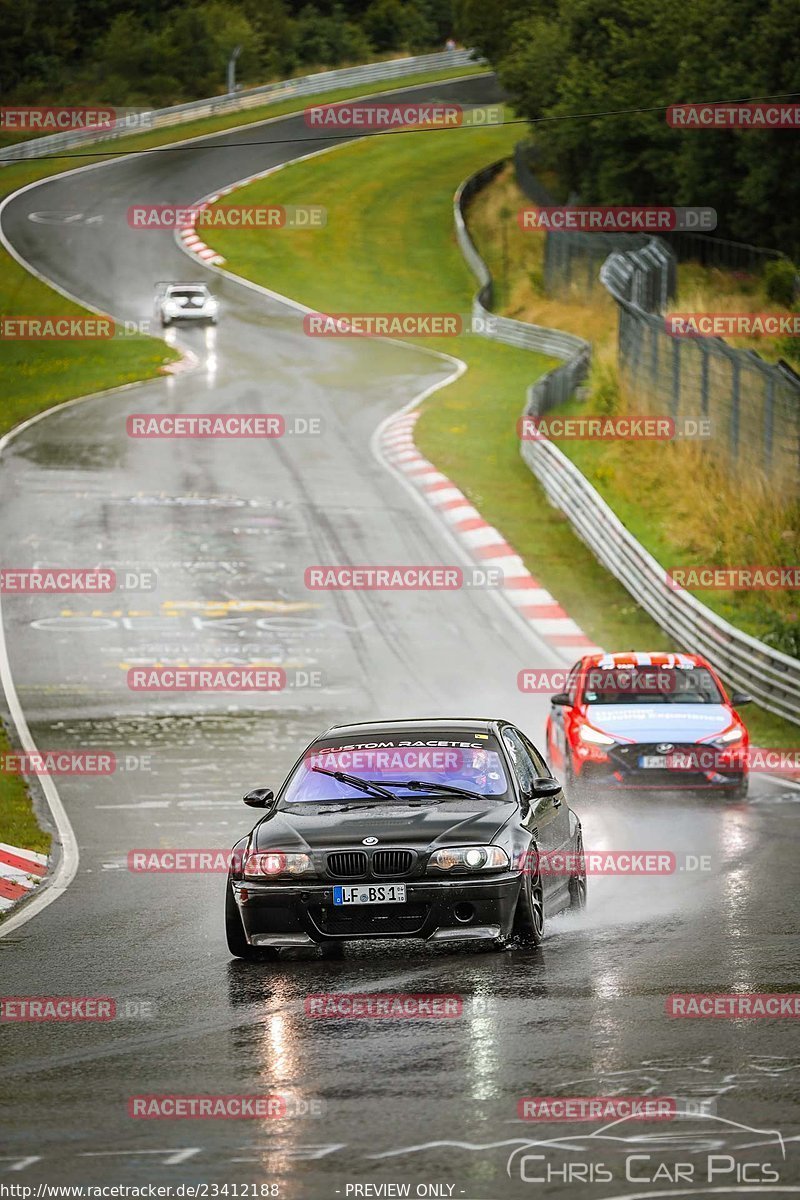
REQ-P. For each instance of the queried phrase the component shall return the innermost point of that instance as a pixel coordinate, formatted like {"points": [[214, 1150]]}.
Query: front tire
{"points": [[739, 791], [528, 925]]}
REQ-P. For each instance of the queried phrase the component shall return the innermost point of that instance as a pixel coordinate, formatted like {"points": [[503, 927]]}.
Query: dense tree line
{"points": [[558, 57], [159, 52]]}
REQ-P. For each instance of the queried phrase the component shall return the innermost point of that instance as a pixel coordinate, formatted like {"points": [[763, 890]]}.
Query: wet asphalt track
{"points": [[230, 528]]}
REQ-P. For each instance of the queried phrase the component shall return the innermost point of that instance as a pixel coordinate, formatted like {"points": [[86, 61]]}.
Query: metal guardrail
{"points": [[553, 342], [269, 93], [771, 677]]}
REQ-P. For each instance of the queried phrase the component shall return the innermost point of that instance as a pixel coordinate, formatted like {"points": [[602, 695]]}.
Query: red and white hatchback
{"points": [[648, 721]]}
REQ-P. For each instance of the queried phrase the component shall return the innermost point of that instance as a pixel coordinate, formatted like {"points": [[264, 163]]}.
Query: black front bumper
{"points": [[281, 914], [623, 771]]}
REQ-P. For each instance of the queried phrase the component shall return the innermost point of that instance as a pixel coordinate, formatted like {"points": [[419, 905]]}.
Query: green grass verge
{"points": [[386, 248], [41, 374], [392, 248], [18, 824]]}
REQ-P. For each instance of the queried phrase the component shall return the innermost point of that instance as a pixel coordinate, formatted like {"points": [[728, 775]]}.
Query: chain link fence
{"points": [[750, 407]]}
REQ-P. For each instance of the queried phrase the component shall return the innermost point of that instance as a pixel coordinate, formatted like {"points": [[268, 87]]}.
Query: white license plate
{"points": [[370, 893], [668, 762]]}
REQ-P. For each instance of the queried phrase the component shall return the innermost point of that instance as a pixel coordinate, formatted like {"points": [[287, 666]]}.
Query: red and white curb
{"points": [[187, 362], [194, 244], [20, 872], [485, 544]]}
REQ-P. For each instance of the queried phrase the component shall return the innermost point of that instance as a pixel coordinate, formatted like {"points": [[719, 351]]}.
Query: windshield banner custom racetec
{"points": [[475, 767]]}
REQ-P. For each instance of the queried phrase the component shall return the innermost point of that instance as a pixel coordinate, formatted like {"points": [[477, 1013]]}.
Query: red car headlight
{"points": [[731, 737], [594, 737]]}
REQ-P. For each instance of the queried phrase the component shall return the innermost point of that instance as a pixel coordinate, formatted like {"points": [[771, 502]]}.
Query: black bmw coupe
{"points": [[430, 829]]}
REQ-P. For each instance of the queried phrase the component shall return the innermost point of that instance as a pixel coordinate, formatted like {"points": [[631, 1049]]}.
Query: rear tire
{"points": [[234, 929]]}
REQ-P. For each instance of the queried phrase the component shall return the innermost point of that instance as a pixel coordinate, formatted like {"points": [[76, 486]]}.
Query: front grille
{"points": [[374, 918], [628, 756], [625, 759], [386, 863], [347, 864]]}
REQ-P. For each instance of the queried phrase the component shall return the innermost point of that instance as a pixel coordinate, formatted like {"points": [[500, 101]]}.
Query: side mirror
{"points": [[560, 698], [260, 798], [738, 698], [543, 786]]}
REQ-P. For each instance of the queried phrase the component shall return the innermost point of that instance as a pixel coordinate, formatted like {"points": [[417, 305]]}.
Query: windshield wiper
{"points": [[363, 785], [419, 785], [360, 805]]}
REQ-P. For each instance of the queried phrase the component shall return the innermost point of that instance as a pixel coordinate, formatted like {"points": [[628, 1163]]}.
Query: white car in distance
{"points": [[186, 302]]}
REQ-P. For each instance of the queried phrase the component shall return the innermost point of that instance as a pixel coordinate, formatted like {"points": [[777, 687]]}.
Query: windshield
{"points": [[187, 294], [654, 685], [402, 768]]}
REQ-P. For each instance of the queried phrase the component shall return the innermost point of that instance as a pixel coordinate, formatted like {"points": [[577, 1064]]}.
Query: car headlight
{"points": [[595, 738], [266, 864], [728, 737], [469, 858]]}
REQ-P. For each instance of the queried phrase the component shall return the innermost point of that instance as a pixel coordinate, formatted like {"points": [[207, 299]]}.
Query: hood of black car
{"points": [[447, 824]]}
